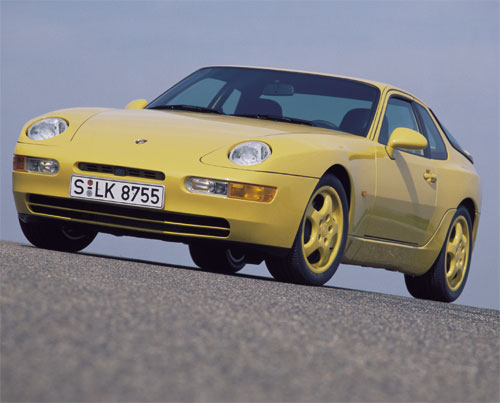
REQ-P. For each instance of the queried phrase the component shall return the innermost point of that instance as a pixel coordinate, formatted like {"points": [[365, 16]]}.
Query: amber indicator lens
{"points": [[256, 193], [19, 163]]}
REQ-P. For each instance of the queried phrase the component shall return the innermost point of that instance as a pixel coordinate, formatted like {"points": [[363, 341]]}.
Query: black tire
{"points": [[217, 259], [446, 279], [417, 286], [326, 237], [61, 236]]}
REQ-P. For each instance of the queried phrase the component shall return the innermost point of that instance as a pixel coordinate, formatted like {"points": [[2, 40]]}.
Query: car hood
{"points": [[173, 132], [177, 139]]}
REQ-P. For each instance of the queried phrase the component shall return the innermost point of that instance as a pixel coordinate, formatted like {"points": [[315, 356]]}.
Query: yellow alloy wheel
{"points": [[321, 237], [446, 278], [457, 253], [322, 229]]}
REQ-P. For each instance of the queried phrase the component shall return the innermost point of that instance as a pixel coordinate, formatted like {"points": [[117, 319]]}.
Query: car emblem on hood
{"points": [[140, 141]]}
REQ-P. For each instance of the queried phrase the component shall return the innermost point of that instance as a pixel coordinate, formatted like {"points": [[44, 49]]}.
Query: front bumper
{"points": [[272, 224]]}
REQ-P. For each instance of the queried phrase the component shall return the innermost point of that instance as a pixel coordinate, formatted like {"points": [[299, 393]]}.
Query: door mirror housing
{"points": [[137, 104], [409, 139]]}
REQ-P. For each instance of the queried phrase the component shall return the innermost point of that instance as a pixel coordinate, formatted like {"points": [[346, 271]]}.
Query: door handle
{"points": [[429, 176]]}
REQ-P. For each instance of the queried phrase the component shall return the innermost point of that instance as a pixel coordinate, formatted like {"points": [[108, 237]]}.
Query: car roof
{"points": [[382, 86]]}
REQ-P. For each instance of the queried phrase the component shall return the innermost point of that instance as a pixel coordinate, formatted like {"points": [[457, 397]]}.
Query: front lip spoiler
{"points": [[255, 252]]}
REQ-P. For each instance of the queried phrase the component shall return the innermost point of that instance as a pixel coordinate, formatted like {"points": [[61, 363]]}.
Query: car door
{"points": [[406, 190]]}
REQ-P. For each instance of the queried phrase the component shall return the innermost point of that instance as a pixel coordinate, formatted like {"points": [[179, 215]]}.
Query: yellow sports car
{"points": [[302, 170]]}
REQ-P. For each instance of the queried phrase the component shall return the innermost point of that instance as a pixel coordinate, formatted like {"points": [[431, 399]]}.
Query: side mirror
{"points": [[137, 104], [409, 139]]}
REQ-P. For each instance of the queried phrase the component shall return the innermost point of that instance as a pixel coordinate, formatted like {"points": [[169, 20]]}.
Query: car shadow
{"points": [[197, 269], [189, 268], [408, 300]]}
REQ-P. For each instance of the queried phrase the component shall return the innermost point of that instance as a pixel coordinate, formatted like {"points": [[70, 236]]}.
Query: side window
{"points": [[199, 94], [438, 149], [398, 113]]}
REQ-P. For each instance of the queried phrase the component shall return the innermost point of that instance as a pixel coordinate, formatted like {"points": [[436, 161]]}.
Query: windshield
{"points": [[299, 98]]}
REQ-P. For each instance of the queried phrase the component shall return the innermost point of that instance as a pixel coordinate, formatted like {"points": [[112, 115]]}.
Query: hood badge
{"points": [[141, 141]]}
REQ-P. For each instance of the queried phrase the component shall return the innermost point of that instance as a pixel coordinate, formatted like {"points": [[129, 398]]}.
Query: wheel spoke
{"points": [[314, 216], [324, 252], [332, 241], [453, 269], [311, 246], [452, 247], [459, 232], [335, 229], [327, 207]]}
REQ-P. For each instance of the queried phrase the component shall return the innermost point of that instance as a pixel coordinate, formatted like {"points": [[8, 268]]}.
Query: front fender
{"points": [[299, 154], [311, 155]]}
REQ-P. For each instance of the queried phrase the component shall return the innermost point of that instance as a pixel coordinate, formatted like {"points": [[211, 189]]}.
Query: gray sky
{"points": [[61, 54]]}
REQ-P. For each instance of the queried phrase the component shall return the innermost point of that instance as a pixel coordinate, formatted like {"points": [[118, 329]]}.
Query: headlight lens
{"points": [[47, 128], [35, 165], [250, 153]]}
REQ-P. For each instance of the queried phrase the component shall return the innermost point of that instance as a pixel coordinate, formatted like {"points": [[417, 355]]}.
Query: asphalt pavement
{"points": [[81, 327]]}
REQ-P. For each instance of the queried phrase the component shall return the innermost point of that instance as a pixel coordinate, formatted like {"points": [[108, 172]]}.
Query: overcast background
{"points": [[62, 54]]}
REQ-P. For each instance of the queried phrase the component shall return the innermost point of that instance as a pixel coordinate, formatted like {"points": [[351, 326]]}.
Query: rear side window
{"points": [[452, 139], [436, 144]]}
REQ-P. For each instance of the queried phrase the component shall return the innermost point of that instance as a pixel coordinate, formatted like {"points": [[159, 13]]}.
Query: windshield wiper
{"points": [[275, 118], [191, 108]]}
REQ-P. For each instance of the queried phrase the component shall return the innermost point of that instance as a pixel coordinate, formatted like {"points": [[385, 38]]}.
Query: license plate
{"points": [[121, 192]]}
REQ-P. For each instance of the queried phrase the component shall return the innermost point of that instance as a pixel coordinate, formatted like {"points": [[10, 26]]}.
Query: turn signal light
{"points": [[19, 163], [234, 190], [256, 193]]}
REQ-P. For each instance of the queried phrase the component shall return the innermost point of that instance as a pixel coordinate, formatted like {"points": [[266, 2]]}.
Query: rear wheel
{"points": [[217, 259], [446, 279], [61, 236], [320, 240]]}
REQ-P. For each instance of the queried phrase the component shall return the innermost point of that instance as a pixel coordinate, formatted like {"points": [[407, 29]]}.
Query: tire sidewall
{"points": [[235, 262], [216, 258], [54, 236]]}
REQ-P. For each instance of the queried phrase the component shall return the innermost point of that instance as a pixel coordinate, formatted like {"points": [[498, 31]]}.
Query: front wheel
{"points": [[446, 279], [217, 259], [320, 240], [61, 236]]}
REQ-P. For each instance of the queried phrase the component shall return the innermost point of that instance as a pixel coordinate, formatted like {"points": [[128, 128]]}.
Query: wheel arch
{"points": [[343, 176], [469, 204], [471, 207]]}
